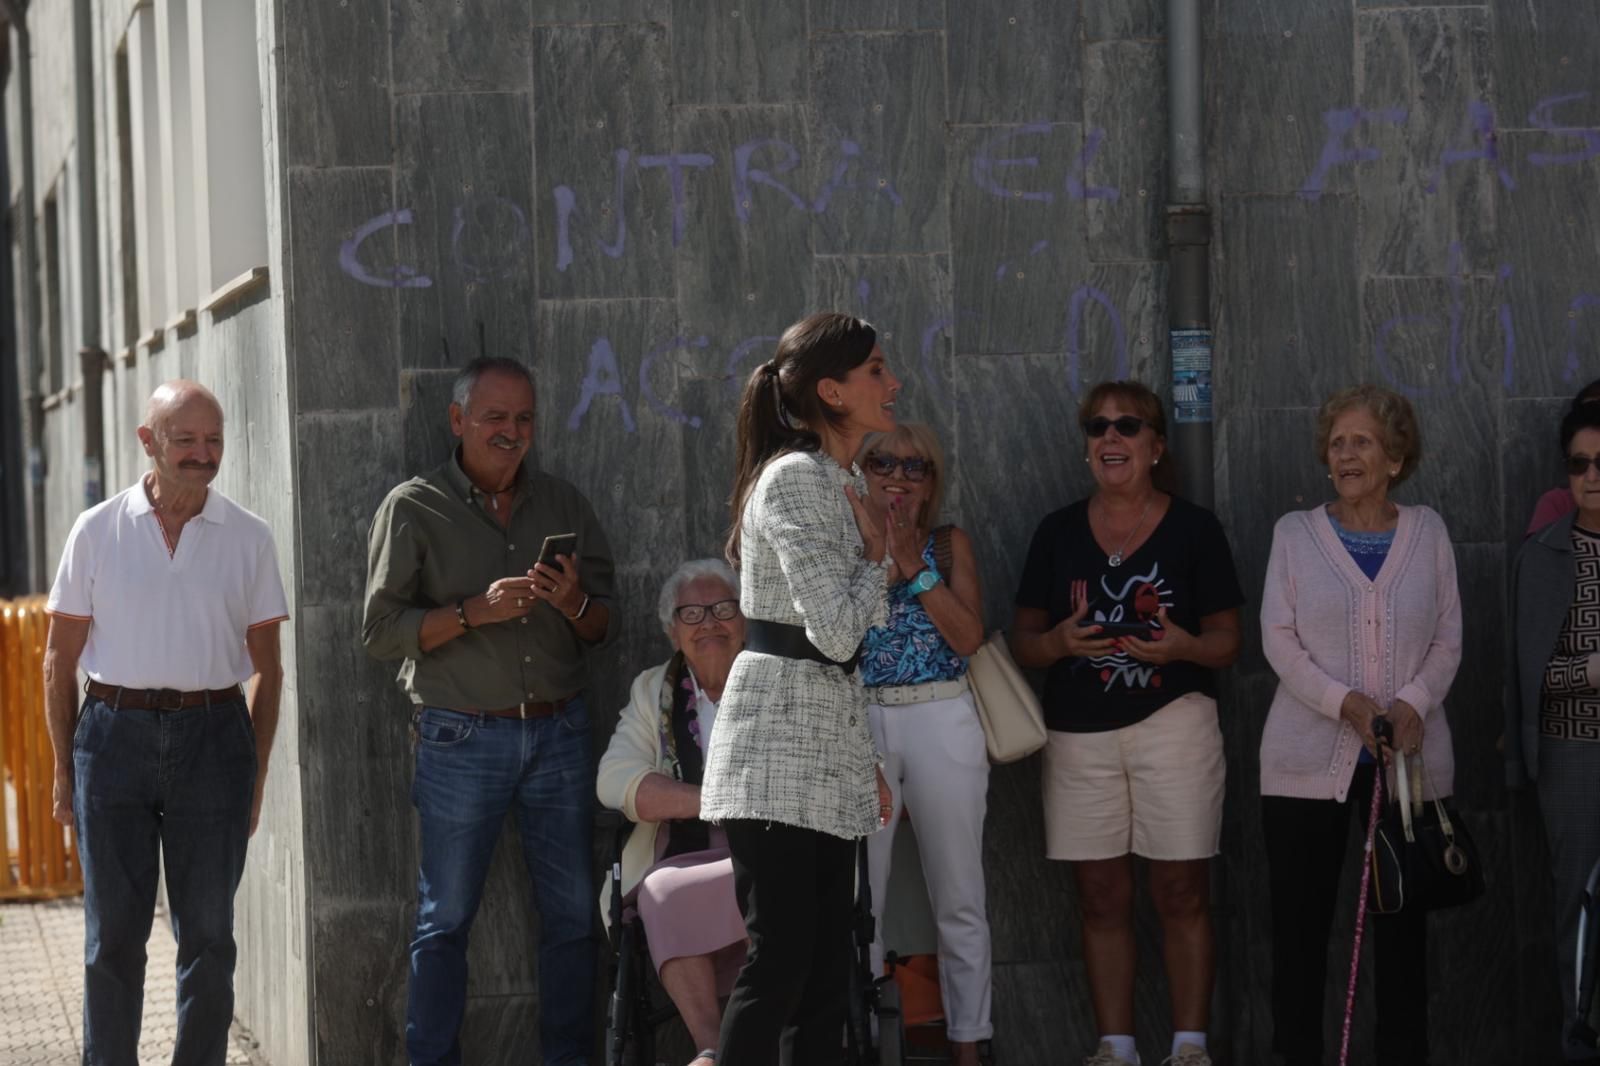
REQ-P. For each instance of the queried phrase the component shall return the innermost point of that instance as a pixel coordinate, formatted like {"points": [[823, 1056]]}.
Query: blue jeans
{"points": [[471, 770], [149, 787]]}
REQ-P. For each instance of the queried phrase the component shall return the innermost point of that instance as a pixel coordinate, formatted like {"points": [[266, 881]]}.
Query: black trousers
{"points": [[1305, 842], [795, 888]]}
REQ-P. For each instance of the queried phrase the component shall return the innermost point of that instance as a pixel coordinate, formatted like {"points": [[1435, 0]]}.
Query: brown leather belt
{"points": [[530, 709], [123, 698]]}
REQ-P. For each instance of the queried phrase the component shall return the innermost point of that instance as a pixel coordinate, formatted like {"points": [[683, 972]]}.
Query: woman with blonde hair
{"points": [[926, 725]]}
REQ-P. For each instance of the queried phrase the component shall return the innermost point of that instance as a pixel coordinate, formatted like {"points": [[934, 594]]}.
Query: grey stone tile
{"points": [[341, 331], [1279, 93], [1436, 340], [1289, 298], [1020, 213], [1273, 469], [1542, 51], [338, 499], [1125, 96], [471, 225], [1011, 407], [359, 954], [831, 15], [1479, 766], [877, 155], [588, 12], [612, 420], [1116, 326], [1530, 462], [425, 410], [1420, 214], [732, 52], [335, 104], [355, 744], [742, 262], [1017, 61], [451, 47], [1107, 20], [605, 218], [1546, 267], [908, 300]]}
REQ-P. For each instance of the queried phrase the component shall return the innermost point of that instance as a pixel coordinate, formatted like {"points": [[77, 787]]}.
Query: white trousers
{"points": [[937, 765]]}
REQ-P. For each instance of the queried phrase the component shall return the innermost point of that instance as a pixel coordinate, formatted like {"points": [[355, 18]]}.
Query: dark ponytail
{"points": [[780, 410]]}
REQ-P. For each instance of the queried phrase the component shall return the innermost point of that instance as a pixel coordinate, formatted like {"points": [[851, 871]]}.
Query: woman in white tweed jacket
{"points": [[792, 775]]}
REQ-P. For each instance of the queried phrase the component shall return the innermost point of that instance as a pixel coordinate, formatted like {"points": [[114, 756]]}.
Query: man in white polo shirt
{"points": [[168, 596]]}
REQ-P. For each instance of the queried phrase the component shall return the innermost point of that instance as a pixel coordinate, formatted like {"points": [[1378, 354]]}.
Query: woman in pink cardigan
{"points": [[1360, 617]]}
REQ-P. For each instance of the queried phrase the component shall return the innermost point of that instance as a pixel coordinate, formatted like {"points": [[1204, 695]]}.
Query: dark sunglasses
{"points": [[692, 614], [1127, 426], [915, 468], [1578, 465]]}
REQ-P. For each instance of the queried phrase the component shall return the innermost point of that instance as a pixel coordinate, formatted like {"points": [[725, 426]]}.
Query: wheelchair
{"points": [[1580, 1030], [638, 1007]]}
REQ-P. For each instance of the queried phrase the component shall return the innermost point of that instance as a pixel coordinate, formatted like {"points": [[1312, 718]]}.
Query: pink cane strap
{"points": [[1361, 912]]}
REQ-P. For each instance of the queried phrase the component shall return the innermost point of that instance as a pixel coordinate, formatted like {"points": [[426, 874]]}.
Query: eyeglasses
{"points": [[1578, 465], [1126, 426], [692, 614], [914, 468]]}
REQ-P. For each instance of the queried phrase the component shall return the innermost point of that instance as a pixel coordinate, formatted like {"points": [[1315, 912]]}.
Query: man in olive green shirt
{"points": [[492, 643]]}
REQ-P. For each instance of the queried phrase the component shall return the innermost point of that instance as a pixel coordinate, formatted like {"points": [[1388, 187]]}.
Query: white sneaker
{"points": [[1188, 1055], [1105, 1055]]}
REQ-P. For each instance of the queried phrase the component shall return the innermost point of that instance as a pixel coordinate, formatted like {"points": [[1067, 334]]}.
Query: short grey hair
{"points": [[461, 388], [692, 570]]}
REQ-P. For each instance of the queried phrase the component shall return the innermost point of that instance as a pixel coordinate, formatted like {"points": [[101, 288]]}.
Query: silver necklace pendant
{"points": [[1115, 560]]}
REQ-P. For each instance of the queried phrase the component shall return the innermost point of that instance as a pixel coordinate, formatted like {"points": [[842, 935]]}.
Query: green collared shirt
{"points": [[433, 543]]}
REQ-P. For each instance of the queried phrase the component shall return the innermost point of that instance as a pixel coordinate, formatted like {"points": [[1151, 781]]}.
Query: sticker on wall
{"points": [[1191, 374]]}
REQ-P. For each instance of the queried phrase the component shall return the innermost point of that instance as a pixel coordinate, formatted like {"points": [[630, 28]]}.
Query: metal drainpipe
{"points": [[33, 398], [1188, 251], [91, 356]]}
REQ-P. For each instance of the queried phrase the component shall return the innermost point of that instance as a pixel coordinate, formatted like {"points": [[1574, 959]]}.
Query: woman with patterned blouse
{"points": [[792, 773], [926, 725], [1553, 717]]}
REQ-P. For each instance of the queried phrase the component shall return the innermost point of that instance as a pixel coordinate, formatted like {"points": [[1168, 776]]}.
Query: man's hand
{"points": [[560, 588], [61, 797], [504, 600], [255, 800]]}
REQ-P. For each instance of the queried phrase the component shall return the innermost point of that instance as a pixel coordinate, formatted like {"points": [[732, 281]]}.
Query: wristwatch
{"points": [[926, 578]]}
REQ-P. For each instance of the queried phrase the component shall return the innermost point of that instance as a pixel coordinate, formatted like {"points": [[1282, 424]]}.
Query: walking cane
{"points": [[1382, 732]]}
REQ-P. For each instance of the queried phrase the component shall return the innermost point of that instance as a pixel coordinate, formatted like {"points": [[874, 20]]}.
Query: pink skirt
{"points": [[688, 908]]}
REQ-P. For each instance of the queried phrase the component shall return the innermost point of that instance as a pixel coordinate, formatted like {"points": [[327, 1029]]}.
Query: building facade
{"points": [[321, 209]]}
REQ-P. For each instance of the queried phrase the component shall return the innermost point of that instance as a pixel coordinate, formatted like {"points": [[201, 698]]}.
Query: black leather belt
{"points": [[791, 642]]}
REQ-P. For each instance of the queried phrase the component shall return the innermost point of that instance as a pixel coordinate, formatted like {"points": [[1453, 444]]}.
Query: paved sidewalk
{"points": [[41, 989]]}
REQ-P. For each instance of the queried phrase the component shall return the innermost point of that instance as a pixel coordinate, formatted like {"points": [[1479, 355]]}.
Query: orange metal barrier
{"points": [[40, 857]]}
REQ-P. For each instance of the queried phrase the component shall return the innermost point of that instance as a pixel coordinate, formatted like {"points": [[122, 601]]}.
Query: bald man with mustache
{"points": [[168, 597]]}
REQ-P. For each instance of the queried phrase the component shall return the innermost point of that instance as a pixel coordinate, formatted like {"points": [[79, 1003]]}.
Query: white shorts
{"points": [[1153, 788]]}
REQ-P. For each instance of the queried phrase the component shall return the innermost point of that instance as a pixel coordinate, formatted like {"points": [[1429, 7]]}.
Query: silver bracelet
{"points": [[585, 607]]}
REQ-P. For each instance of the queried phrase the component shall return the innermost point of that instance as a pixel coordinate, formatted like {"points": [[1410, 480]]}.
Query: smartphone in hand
{"points": [[1121, 629], [557, 544]]}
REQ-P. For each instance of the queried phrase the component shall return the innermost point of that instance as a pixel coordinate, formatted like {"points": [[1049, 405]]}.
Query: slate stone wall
{"points": [[639, 195]]}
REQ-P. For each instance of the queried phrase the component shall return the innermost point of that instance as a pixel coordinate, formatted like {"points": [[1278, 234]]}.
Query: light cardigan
{"points": [[1326, 629], [633, 754]]}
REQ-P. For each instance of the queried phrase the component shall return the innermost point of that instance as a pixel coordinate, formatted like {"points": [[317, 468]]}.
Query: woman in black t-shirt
{"points": [[1130, 600]]}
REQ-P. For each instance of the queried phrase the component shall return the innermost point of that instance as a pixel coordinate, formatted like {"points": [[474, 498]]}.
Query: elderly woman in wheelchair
{"points": [[676, 871]]}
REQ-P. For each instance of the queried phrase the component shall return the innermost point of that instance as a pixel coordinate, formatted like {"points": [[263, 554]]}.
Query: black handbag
{"points": [[1422, 855]]}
